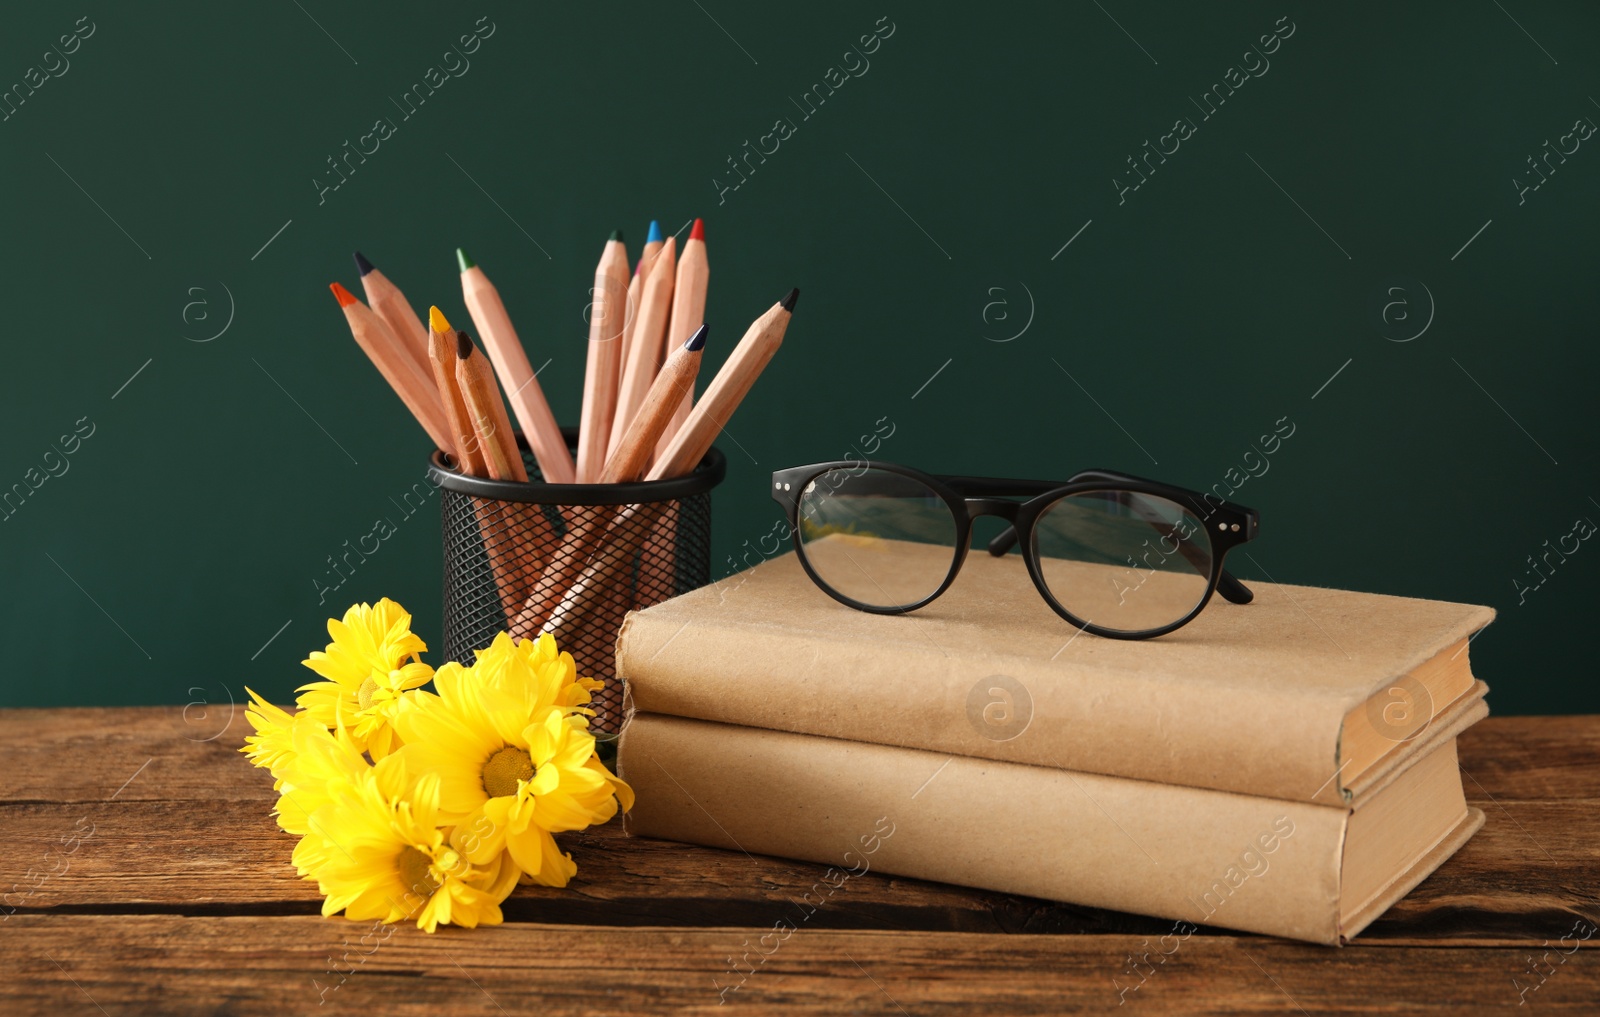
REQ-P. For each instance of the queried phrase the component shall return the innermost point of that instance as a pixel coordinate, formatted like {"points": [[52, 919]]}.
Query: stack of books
{"points": [[1286, 767]]}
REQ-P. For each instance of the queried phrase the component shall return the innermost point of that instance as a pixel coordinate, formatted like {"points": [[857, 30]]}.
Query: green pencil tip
{"points": [[616, 234], [463, 260]]}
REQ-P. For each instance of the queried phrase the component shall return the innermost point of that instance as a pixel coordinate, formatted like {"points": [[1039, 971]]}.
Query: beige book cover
{"points": [[1311, 872], [1255, 698]]}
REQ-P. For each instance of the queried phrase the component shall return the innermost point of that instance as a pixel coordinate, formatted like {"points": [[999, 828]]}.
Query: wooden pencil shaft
{"points": [[414, 388], [688, 314], [645, 347], [442, 358], [489, 419], [647, 258], [516, 374], [635, 294], [608, 313], [723, 395], [390, 304], [596, 585], [666, 393], [563, 567]]}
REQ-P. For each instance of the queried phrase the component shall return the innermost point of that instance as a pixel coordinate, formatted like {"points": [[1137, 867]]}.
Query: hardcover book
{"points": [[1290, 868], [1305, 694]]}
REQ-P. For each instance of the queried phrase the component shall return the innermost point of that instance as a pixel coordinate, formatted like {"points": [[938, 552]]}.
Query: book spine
{"points": [[1185, 854], [1271, 741]]}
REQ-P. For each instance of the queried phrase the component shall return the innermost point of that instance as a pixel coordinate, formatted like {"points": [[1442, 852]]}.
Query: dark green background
{"points": [[197, 519]]}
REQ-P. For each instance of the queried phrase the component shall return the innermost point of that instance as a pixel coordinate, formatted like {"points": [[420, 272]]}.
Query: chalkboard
{"points": [[1030, 239]]}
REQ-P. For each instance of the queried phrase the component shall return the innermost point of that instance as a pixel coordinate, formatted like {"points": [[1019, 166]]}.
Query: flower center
{"points": [[414, 867], [364, 694], [504, 769]]}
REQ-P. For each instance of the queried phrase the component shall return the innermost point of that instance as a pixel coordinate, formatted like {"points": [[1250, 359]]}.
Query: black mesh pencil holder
{"points": [[571, 559]]}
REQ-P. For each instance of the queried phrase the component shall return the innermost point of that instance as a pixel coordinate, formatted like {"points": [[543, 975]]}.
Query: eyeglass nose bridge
{"points": [[1002, 507]]}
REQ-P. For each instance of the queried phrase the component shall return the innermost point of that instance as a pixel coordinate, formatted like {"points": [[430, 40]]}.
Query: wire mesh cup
{"points": [[568, 559]]}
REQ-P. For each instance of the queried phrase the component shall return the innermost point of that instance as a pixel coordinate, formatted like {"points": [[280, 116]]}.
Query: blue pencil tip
{"points": [[698, 340], [655, 233]]}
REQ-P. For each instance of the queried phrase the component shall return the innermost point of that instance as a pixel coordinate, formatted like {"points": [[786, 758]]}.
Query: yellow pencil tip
{"points": [[436, 320]]}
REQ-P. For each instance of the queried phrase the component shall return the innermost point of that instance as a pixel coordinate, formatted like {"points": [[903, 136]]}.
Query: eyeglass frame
{"points": [[971, 497]]}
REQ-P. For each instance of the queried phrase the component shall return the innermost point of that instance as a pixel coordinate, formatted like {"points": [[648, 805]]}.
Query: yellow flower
{"points": [[325, 762], [272, 746], [387, 857], [367, 672], [533, 667], [508, 742]]}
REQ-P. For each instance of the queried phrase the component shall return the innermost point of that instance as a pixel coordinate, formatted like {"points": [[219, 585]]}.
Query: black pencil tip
{"points": [[463, 345], [362, 264], [616, 234], [698, 340], [787, 303]]}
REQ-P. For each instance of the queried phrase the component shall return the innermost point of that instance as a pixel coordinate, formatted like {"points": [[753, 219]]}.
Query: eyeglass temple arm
{"points": [[1232, 590]]}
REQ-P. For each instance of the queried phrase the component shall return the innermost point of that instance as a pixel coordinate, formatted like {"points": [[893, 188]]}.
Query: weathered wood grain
{"points": [[75, 755], [230, 858], [173, 893], [266, 965], [191, 834], [179, 753]]}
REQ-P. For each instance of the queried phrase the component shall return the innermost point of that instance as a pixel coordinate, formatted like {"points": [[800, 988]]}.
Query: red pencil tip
{"points": [[342, 295], [699, 231]]}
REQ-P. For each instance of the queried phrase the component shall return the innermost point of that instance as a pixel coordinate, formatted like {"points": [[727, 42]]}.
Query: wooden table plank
{"points": [[181, 900], [177, 965], [1553, 758], [93, 754], [231, 859], [190, 833], [72, 755]]}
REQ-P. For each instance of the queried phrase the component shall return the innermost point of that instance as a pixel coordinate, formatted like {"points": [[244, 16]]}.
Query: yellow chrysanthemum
{"points": [[388, 858], [366, 671], [272, 746], [511, 751], [325, 762], [536, 668]]}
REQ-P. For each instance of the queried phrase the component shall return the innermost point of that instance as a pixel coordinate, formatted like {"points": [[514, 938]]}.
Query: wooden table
{"points": [[177, 897]]}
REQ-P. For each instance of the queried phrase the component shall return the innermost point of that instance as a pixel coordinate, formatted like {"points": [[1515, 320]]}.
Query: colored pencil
{"points": [[489, 421], [591, 600], [658, 557], [635, 291], [592, 591], [688, 314], [666, 393], [608, 314], [575, 557], [726, 391], [442, 358], [645, 346], [588, 589], [516, 374], [504, 526], [392, 306], [652, 247], [403, 374]]}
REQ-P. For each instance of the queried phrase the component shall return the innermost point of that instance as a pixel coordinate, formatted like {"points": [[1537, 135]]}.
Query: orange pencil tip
{"points": [[342, 295], [699, 231]]}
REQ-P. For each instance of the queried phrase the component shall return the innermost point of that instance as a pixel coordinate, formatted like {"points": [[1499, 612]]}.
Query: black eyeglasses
{"points": [[1115, 555]]}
